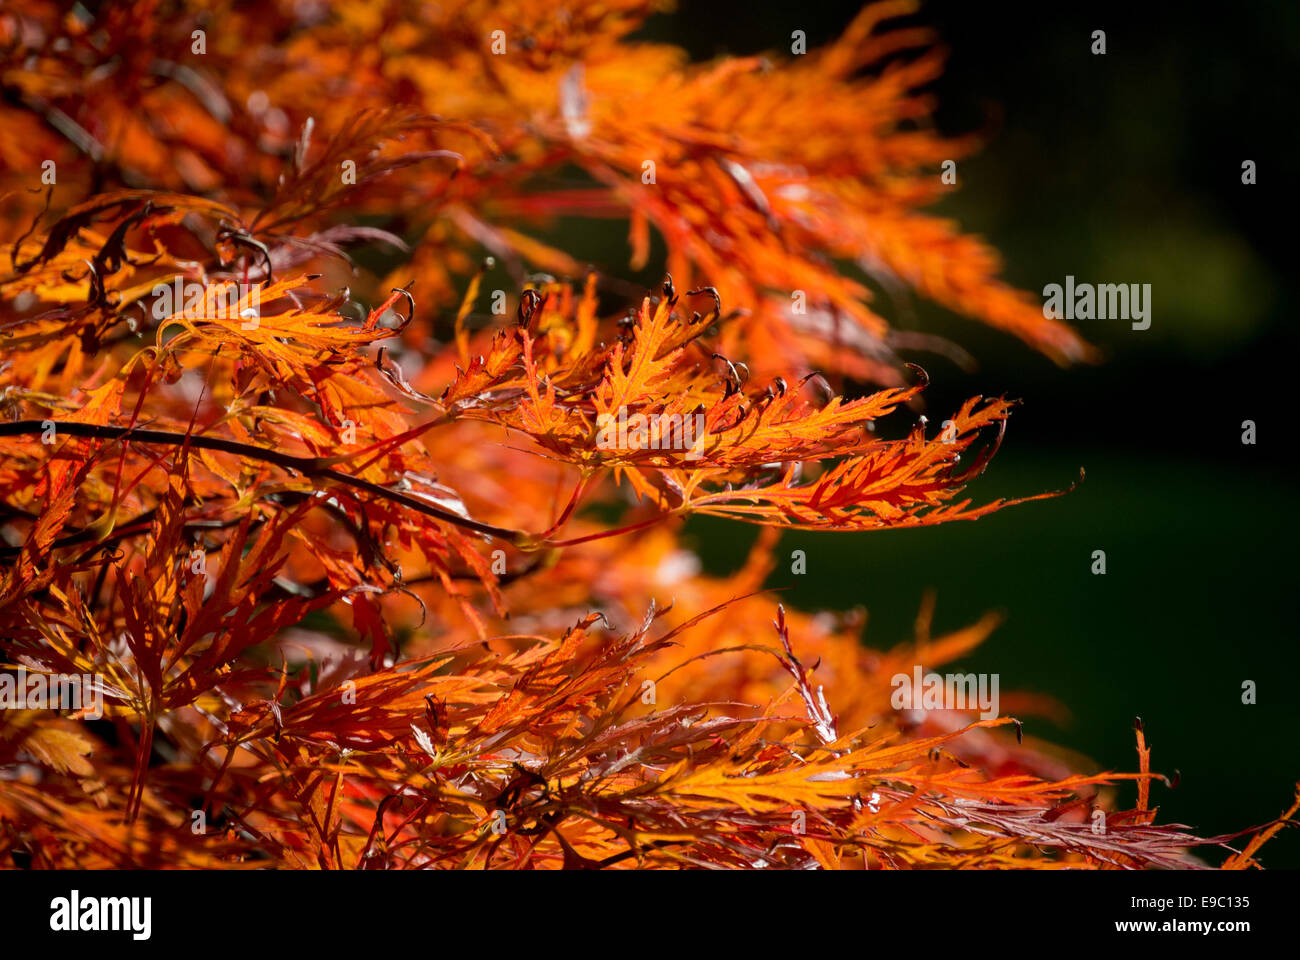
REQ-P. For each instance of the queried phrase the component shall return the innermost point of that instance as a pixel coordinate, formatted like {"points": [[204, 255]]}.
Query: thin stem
{"points": [[308, 466]]}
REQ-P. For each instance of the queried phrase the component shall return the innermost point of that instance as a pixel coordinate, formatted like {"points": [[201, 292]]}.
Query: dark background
{"points": [[1117, 168]]}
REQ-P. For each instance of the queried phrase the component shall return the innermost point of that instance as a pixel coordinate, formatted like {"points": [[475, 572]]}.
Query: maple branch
{"points": [[308, 466]]}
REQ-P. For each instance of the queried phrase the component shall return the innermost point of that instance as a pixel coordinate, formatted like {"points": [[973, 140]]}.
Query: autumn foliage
{"points": [[360, 577]]}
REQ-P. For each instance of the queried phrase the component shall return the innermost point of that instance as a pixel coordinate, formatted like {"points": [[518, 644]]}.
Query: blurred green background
{"points": [[1117, 168]]}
